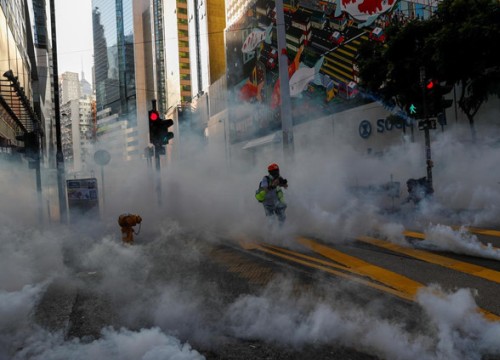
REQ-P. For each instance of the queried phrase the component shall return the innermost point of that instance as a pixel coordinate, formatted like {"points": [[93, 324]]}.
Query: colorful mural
{"points": [[365, 10], [323, 38]]}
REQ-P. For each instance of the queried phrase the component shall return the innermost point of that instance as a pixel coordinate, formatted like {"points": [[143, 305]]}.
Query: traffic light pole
{"points": [[59, 153], [159, 137], [157, 159], [158, 173], [426, 130]]}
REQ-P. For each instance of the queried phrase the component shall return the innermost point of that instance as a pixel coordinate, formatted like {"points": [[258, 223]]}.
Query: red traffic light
{"points": [[430, 84], [153, 115]]}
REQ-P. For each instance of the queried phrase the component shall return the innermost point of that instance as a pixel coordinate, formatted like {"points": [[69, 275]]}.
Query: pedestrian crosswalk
{"points": [[338, 261]]}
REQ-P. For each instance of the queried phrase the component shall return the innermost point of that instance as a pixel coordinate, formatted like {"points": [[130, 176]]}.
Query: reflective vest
{"points": [[265, 195]]}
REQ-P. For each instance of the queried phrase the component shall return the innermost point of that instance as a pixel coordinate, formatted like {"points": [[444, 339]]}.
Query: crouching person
{"points": [[270, 194]]}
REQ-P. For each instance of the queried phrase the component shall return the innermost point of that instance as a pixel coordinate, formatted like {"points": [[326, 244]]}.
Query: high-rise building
{"points": [[76, 122], [85, 87], [76, 132], [43, 100], [162, 51], [18, 73], [113, 29], [69, 87], [188, 50], [119, 64], [187, 54]]}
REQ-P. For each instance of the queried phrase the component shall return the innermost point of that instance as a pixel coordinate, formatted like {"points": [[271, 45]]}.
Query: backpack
{"points": [[260, 193]]}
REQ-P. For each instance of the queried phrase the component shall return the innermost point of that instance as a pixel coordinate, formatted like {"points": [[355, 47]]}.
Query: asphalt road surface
{"points": [[278, 281]]}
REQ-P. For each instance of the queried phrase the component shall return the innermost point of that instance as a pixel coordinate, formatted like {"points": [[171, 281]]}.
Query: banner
{"points": [[83, 198]]}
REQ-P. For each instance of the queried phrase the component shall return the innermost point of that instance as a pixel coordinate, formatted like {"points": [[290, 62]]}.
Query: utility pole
{"points": [[59, 152], [154, 120], [285, 109], [426, 130]]}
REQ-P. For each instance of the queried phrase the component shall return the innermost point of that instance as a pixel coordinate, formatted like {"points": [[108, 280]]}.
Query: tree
{"points": [[456, 46], [392, 71], [464, 51]]}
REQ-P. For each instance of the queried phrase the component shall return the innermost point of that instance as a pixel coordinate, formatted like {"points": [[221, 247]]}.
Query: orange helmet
{"points": [[273, 167]]}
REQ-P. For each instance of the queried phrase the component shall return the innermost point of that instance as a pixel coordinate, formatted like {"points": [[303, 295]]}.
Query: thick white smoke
{"points": [[459, 241], [160, 301], [454, 329]]}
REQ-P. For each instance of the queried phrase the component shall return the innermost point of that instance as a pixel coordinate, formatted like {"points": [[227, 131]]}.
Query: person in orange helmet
{"points": [[270, 194]]}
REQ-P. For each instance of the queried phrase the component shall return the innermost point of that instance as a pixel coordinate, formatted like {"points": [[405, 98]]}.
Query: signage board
{"points": [[83, 198]]}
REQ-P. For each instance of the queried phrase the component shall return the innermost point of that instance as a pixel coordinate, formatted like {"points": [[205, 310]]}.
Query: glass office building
{"points": [[114, 56]]}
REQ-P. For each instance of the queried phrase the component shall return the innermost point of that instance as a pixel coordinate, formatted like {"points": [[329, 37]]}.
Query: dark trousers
{"points": [[277, 210]]}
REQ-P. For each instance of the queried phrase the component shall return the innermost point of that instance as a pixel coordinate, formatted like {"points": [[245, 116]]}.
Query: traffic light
{"points": [[431, 98], [158, 129], [430, 84], [415, 109], [154, 116], [163, 133], [413, 102], [443, 90], [31, 144], [154, 120], [435, 92]]}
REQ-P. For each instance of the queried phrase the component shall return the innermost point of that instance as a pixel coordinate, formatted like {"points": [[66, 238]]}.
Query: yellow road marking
{"points": [[489, 315], [397, 281], [307, 257], [479, 231], [473, 230], [414, 234], [421, 236], [447, 262], [327, 268], [394, 283], [390, 278], [248, 245]]}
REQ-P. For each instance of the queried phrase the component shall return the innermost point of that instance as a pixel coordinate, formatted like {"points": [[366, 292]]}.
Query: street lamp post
{"points": [[59, 152], [285, 109]]}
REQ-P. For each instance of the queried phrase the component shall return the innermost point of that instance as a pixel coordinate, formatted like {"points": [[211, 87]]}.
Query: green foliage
{"points": [[457, 45], [392, 70]]}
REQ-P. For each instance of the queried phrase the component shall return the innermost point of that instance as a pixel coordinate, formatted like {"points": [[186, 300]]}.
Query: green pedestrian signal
{"points": [[414, 109]]}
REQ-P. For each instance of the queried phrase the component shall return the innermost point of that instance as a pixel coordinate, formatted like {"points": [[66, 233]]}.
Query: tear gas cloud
{"points": [[453, 328], [459, 241], [160, 304]]}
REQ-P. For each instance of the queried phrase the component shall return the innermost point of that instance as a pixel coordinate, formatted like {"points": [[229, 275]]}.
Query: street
{"points": [[353, 274], [249, 180], [285, 298]]}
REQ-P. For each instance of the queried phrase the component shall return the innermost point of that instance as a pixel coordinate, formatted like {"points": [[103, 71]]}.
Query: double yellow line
{"points": [[328, 267], [367, 274], [473, 230], [464, 267]]}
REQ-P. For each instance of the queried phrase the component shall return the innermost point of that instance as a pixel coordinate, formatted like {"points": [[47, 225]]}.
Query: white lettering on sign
{"points": [[382, 126]]}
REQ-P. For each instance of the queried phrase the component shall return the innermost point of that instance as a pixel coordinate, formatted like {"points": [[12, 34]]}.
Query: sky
{"points": [[74, 36]]}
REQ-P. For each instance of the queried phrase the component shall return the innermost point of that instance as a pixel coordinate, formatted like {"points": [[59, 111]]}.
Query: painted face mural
{"points": [[366, 10]]}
